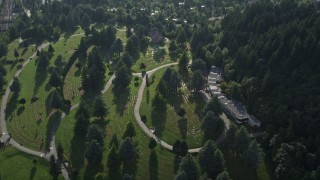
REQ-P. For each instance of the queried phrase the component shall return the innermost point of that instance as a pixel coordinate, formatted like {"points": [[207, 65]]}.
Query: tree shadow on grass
{"points": [[77, 154], [183, 126], [12, 105], [24, 51], [20, 110], [153, 165], [175, 100], [158, 117], [32, 172], [92, 170], [52, 127], [148, 96], [48, 103], [200, 104], [130, 167], [115, 174], [14, 63], [78, 72], [40, 78], [120, 99]]}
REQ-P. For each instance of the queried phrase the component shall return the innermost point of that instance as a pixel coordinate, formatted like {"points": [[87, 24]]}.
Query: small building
{"points": [[236, 111], [231, 107]]}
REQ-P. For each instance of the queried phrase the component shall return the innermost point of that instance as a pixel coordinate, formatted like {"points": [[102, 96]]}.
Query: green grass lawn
{"points": [[15, 165], [153, 58], [189, 128], [120, 113], [72, 83], [24, 53], [65, 47], [121, 33], [28, 124]]}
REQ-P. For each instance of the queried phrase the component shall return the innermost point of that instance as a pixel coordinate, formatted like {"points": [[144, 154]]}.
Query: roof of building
{"points": [[236, 109], [212, 87]]}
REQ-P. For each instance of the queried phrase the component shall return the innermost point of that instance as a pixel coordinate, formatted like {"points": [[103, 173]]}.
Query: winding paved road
{"points": [[5, 135], [6, 138], [149, 132]]}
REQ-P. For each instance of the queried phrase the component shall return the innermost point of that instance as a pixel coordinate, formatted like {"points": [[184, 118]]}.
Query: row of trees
{"points": [[238, 140], [211, 161]]}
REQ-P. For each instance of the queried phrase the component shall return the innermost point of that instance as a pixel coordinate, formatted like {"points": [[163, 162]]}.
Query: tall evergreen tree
{"points": [[223, 176], [55, 80], [127, 150], [56, 100], [113, 162], [94, 152], [181, 175], [130, 131], [210, 124], [242, 140], [15, 86], [253, 154], [231, 136], [219, 164], [95, 133], [206, 158], [183, 62], [54, 168], [198, 81], [189, 167], [99, 109]]}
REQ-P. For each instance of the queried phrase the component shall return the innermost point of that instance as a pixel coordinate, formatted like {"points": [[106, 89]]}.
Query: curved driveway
{"points": [[148, 131], [6, 138], [5, 135]]}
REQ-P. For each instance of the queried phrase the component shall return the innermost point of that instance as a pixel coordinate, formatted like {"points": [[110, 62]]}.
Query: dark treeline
{"points": [[273, 66]]}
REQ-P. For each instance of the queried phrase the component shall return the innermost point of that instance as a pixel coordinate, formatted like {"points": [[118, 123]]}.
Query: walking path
{"points": [[149, 132], [5, 135]]}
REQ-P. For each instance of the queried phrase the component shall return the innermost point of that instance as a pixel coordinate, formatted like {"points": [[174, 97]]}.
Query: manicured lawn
{"points": [[121, 33], [153, 58], [65, 47], [120, 113], [28, 124], [174, 127], [16, 165], [72, 83], [24, 53]]}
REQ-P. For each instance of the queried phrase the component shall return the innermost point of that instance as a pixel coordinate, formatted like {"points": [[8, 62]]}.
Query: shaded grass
{"points": [[24, 53], [65, 47], [117, 126], [153, 58], [72, 83], [121, 33], [189, 128], [29, 127], [16, 165]]}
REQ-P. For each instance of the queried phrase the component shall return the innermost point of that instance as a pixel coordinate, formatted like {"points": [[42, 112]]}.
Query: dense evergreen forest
{"points": [[270, 53], [273, 66]]}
